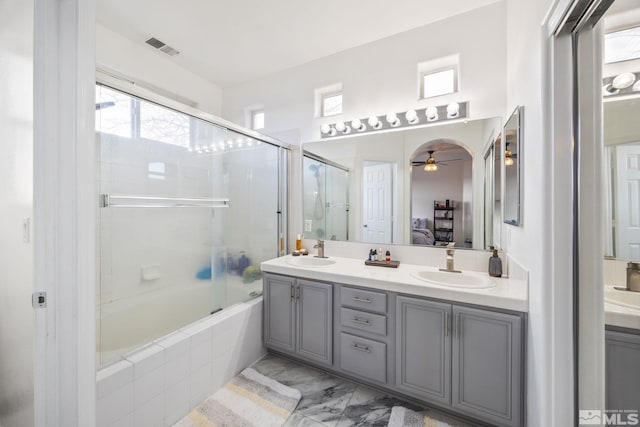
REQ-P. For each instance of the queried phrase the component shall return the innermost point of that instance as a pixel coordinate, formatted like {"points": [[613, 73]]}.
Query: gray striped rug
{"points": [[403, 417], [249, 399]]}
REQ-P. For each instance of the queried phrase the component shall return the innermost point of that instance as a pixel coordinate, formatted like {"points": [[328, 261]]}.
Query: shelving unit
{"points": [[443, 224]]}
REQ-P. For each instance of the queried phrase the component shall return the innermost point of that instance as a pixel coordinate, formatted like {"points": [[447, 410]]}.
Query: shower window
{"points": [[189, 210]]}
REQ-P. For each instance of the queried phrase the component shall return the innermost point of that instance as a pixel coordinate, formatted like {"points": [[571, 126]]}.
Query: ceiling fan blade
{"points": [[418, 163]]}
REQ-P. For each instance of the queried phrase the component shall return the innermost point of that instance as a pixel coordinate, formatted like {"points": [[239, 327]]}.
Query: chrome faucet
{"points": [[450, 252], [320, 246]]}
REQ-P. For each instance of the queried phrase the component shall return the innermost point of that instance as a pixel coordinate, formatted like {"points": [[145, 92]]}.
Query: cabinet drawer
{"points": [[363, 357], [366, 300], [368, 322]]}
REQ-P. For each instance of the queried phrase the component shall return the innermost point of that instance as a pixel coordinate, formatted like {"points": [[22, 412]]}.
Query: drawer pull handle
{"points": [[359, 348], [360, 321], [358, 299]]}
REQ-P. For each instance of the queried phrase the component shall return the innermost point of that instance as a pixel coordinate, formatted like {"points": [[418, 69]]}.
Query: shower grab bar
{"points": [[119, 201]]}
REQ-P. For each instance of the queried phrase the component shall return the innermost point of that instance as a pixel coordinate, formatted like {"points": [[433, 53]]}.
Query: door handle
{"points": [[446, 324], [365, 226], [293, 291]]}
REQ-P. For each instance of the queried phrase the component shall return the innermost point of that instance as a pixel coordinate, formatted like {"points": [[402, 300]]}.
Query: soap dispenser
{"points": [[495, 264]]}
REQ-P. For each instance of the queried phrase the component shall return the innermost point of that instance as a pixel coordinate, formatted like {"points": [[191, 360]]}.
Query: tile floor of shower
{"points": [[330, 401]]}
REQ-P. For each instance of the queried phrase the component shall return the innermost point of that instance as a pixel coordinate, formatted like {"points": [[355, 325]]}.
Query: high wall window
{"points": [[622, 45], [257, 119], [441, 82], [331, 104], [439, 76], [123, 115]]}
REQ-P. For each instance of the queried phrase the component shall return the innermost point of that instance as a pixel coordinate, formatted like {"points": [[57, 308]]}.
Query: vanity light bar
{"points": [[422, 116]]}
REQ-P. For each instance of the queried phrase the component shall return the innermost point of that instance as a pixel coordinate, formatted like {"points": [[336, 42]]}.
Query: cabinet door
{"points": [[622, 373], [487, 365], [279, 312], [315, 321], [423, 349]]}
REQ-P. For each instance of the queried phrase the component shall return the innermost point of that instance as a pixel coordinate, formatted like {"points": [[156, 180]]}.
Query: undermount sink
{"points": [[310, 261], [456, 280], [622, 298]]}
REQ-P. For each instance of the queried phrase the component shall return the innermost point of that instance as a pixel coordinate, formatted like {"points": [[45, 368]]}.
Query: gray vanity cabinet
{"points": [[622, 370], [423, 349], [298, 317], [460, 357], [487, 365], [314, 314], [279, 312]]}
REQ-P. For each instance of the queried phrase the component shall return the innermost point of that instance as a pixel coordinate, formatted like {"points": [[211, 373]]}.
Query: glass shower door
{"points": [[189, 210]]}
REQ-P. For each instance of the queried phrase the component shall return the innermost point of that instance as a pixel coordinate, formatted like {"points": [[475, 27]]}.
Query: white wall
{"points": [[382, 76], [549, 387], [16, 204], [151, 68]]}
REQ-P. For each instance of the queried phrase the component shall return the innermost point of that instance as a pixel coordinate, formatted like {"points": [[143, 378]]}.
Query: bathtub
{"points": [[126, 324], [162, 381]]}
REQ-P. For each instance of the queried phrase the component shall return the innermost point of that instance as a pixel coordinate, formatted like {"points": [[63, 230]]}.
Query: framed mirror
{"points": [[391, 198], [512, 164], [621, 164]]}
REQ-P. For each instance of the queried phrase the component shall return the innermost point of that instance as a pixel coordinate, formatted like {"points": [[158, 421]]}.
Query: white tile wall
{"points": [[161, 383], [615, 272]]}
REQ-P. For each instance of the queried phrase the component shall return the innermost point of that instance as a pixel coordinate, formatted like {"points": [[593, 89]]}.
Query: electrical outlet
{"points": [[307, 225]]}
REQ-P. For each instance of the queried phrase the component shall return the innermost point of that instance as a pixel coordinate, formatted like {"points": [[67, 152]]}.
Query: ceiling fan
{"points": [[431, 164]]}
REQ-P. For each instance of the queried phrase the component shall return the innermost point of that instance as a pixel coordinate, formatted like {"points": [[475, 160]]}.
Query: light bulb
{"points": [[508, 161], [411, 116], [392, 119], [325, 129], [430, 167], [358, 125], [623, 81], [340, 126], [432, 113], [453, 110], [374, 122]]}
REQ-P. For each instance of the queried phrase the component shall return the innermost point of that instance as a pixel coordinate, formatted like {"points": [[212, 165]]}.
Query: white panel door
{"points": [[377, 209], [628, 203]]}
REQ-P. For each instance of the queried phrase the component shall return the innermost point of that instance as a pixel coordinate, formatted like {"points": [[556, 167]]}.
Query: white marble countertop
{"points": [[620, 308], [508, 294]]}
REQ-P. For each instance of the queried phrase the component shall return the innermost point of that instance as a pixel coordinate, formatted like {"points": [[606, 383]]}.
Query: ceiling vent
{"points": [[154, 42]]}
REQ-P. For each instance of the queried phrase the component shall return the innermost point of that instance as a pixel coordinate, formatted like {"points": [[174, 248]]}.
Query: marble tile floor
{"points": [[329, 401]]}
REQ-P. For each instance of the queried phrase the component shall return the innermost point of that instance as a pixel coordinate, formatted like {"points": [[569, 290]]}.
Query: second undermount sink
{"points": [[622, 298], [309, 261], [456, 280]]}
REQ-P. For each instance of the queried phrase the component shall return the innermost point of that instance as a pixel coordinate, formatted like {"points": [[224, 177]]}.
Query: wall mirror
{"points": [[621, 163], [374, 188], [512, 164]]}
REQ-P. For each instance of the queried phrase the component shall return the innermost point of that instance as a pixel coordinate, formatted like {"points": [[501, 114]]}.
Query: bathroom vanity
{"points": [[622, 348], [459, 347]]}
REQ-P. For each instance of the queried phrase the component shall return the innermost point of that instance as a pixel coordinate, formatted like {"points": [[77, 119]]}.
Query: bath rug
{"points": [[249, 399], [403, 417]]}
